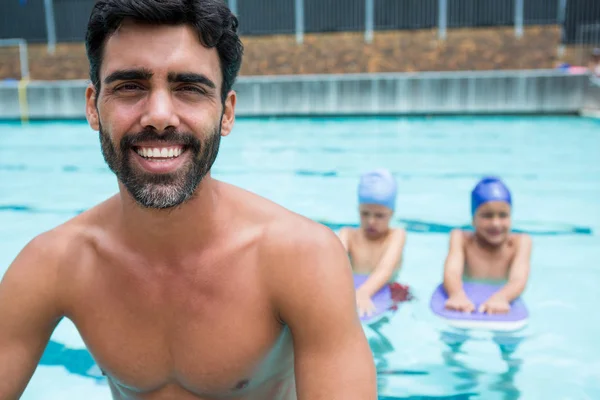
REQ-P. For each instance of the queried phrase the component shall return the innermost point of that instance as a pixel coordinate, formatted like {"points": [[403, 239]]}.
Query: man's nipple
{"points": [[243, 384]]}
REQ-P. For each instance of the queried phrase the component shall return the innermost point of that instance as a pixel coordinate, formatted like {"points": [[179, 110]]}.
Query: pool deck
{"points": [[534, 92]]}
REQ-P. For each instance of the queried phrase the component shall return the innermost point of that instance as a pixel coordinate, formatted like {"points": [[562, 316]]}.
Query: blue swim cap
{"points": [[489, 189], [377, 187]]}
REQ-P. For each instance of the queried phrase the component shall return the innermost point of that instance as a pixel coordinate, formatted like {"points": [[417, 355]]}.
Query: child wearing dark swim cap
{"points": [[374, 248], [492, 253]]}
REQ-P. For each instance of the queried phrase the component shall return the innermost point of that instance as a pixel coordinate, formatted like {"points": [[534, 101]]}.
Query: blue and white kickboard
{"points": [[382, 300], [516, 319]]}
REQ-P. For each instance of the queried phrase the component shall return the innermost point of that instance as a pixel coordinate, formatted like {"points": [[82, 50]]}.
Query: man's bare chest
{"points": [[211, 334]]}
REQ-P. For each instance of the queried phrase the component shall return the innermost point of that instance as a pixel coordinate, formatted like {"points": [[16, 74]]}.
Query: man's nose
{"points": [[160, 112]]}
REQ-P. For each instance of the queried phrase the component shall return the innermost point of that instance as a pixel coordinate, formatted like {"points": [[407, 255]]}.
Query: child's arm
{"points": [[517, 279], [455, 264], [388, 263], [344, 234], [453, 273]]}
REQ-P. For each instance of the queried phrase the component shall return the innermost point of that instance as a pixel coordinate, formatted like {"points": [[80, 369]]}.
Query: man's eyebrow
{"points": [[190, 77], [128, 74]]}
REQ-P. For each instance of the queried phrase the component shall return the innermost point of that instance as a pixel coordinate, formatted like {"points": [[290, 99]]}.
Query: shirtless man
{"points": [[181, 286], [491, 254], [374, 248]]}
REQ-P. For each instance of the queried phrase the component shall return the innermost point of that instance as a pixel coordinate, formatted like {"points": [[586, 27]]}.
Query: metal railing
{"points": [[65, 20], [375, 15], [53, 21]]}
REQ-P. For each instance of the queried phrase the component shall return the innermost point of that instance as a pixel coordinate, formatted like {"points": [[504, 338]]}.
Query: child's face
{"points": [[375, 219], [492, 222]]}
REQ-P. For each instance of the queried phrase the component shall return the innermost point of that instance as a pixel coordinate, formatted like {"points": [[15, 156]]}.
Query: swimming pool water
{"points": [[51, 171]]}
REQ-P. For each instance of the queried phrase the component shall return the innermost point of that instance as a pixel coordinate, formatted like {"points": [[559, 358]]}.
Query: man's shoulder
{"points": [[287, 237], [44, 265], [304, 261], [292, 243], [282, 228], [59, 246], [44, 270], [294, 233]]}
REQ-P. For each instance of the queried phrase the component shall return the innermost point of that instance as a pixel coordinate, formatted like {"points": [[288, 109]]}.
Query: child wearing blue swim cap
{"points": [[492, 253], [374, 248]]}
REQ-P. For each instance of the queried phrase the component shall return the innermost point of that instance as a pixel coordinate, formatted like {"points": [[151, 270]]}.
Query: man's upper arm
{"points": [[29, 313], [314, 293]]}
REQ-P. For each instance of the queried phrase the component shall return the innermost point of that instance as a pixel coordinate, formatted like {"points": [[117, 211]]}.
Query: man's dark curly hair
{"points": [[212, 20]]}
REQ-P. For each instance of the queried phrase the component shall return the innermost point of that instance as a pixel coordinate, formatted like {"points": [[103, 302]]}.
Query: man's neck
{"points": [[175, 231]]}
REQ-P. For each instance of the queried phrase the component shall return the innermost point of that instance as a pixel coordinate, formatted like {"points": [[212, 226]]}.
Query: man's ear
{"points": [[91, 111], [228, 113]]}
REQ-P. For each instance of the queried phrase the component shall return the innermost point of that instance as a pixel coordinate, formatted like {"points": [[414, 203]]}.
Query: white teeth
{"points": [[159, 153]]}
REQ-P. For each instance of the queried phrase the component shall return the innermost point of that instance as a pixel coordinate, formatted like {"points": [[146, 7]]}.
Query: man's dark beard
{"points": [[161, 190]]}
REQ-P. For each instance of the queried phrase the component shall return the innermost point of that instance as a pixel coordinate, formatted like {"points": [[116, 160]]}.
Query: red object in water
{"points": [[400, 293]]}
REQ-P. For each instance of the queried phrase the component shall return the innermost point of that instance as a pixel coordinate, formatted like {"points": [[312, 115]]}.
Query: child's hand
{"points": [[364, 304], [460, 302], [496, 304]]}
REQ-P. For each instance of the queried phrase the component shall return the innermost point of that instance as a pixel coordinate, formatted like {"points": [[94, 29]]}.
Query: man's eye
{"points": [[128, 87], [193, 89]]}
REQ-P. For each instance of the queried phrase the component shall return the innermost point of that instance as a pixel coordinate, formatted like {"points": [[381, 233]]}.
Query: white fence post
{"points": [[442, 19], [519, 15], [299, 21], [562, 11], [50, 25], [369, 20]]}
